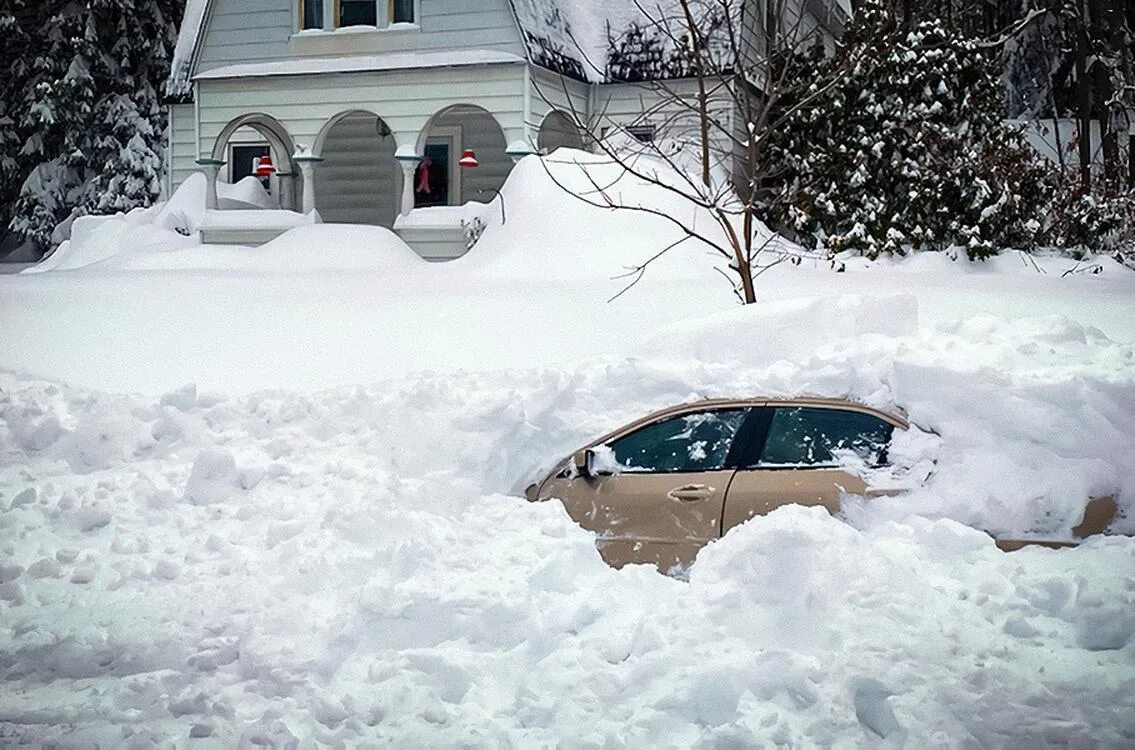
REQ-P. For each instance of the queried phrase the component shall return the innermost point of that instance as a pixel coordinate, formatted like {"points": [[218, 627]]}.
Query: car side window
{"points": [[691, 442], [809, 436]]}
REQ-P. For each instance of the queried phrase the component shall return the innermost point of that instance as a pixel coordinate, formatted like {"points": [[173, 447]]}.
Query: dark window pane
{"points": [[643, 133], [358, 13], [313, 14], [403, 11], [809, 436], [431, 178], [244, 159], [694, 442]]}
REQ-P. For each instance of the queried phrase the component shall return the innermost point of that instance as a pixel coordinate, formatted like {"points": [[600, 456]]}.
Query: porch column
{"points": [[286, 184], [409, 162], [307, 165], [211, 168]]}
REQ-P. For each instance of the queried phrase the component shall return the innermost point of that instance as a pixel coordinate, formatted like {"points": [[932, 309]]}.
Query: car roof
{"points": [[897, 420]]}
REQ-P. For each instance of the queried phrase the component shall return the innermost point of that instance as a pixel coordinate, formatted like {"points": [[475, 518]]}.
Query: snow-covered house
{"points": [[366, 107]]}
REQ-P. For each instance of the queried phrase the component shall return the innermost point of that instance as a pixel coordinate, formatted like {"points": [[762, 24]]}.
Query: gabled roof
{"points": [[188, 37], [592, 40]]}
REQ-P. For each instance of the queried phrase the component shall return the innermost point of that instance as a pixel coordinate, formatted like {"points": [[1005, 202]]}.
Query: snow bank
{"points": [[350, 566], [790, 330], [245, 194], [353, 565], [580, 241], [164, 238]]}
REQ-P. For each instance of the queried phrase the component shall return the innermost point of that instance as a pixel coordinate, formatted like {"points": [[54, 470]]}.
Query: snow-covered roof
{"points": [[182, 64], [592, 40], [602, 40], [361, 63]]}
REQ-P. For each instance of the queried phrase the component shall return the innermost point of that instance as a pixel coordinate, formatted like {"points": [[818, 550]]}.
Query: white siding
{"points": [[404, 99], [245, 31], [552, 91], [183, 153], [359, 181], [240, 31], [623, 104]]}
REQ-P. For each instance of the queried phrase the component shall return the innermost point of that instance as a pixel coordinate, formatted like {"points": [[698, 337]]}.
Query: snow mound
{"points": [[349, 568], [247, 194], [340, 247], [791, 330], [580, 241], [164, 238]]}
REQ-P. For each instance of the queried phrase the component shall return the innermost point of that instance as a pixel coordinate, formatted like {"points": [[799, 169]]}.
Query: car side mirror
{"points": [[584, 462]]}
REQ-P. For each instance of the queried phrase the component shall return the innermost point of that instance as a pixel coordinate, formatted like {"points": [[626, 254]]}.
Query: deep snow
{"points": [[322, 539]]}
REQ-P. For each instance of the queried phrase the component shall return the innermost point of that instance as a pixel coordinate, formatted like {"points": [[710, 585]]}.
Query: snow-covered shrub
{"points": [[905, 150], [472, 230], [1100, 220]]}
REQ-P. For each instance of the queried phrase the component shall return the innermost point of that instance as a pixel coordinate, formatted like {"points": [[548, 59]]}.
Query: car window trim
{"points": [[759, 422]]}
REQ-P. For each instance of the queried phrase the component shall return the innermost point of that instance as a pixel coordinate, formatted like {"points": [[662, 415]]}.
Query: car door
{"points": [[661, 498], [794, 457]]}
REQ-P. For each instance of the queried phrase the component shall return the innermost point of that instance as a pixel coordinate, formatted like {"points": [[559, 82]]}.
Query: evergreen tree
{"points": [[87, 120], [907, 151]]}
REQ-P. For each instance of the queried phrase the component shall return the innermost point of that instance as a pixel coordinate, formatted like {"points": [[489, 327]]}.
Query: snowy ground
{"points": [[322, 538]]}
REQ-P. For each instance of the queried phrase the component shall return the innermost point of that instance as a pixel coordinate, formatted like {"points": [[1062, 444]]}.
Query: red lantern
{"points": [[264, 167], [469, 159]]}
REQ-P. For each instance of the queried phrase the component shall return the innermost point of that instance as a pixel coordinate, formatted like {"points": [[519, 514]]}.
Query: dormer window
{"points": [[311, 14], [358, 13], [402, 11], [330, 15]]}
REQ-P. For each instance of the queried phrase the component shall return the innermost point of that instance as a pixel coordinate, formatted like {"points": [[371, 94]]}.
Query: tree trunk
{"points": [[1084, 99], [1104, 14], [703, 104]]}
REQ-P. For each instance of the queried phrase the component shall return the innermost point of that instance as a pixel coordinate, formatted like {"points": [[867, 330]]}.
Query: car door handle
{"points": [[690, 492]]}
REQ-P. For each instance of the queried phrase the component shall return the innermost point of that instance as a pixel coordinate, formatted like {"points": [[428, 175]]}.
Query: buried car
{"points": [[662, 487]]}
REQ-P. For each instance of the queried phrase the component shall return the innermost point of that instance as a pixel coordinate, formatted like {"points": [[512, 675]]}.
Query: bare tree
{"points": [[711, 77]]}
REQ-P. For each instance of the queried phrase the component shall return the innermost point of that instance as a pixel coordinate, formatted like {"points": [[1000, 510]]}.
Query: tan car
{"points": [[662, 487]]}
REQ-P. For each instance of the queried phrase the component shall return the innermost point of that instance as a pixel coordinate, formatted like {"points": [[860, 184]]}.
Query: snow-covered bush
{"points": [[905, 150], [1101, 220]]}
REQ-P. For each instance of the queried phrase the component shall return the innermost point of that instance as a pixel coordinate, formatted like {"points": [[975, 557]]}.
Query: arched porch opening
{"points": [[358, 181], [244, 140], [438, 180], [558, 131]]}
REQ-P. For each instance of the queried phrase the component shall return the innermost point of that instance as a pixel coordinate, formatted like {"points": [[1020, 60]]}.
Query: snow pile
{"points": [[164, 238], [586, 241], [799, 325], [354, 566], [246, 194]]}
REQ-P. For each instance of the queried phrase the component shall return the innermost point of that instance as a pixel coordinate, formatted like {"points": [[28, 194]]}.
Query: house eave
{"points": [[362, 64]]}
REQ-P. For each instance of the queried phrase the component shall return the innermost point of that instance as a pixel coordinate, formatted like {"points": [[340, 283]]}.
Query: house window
{"points": [[358, 13], [311, 14], [245, 158], [401, 11], [379, 13], [643, 133]]}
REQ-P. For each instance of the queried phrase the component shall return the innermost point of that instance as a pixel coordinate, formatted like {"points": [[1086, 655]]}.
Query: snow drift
{"points": [[320, 542], [353, 566]]}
